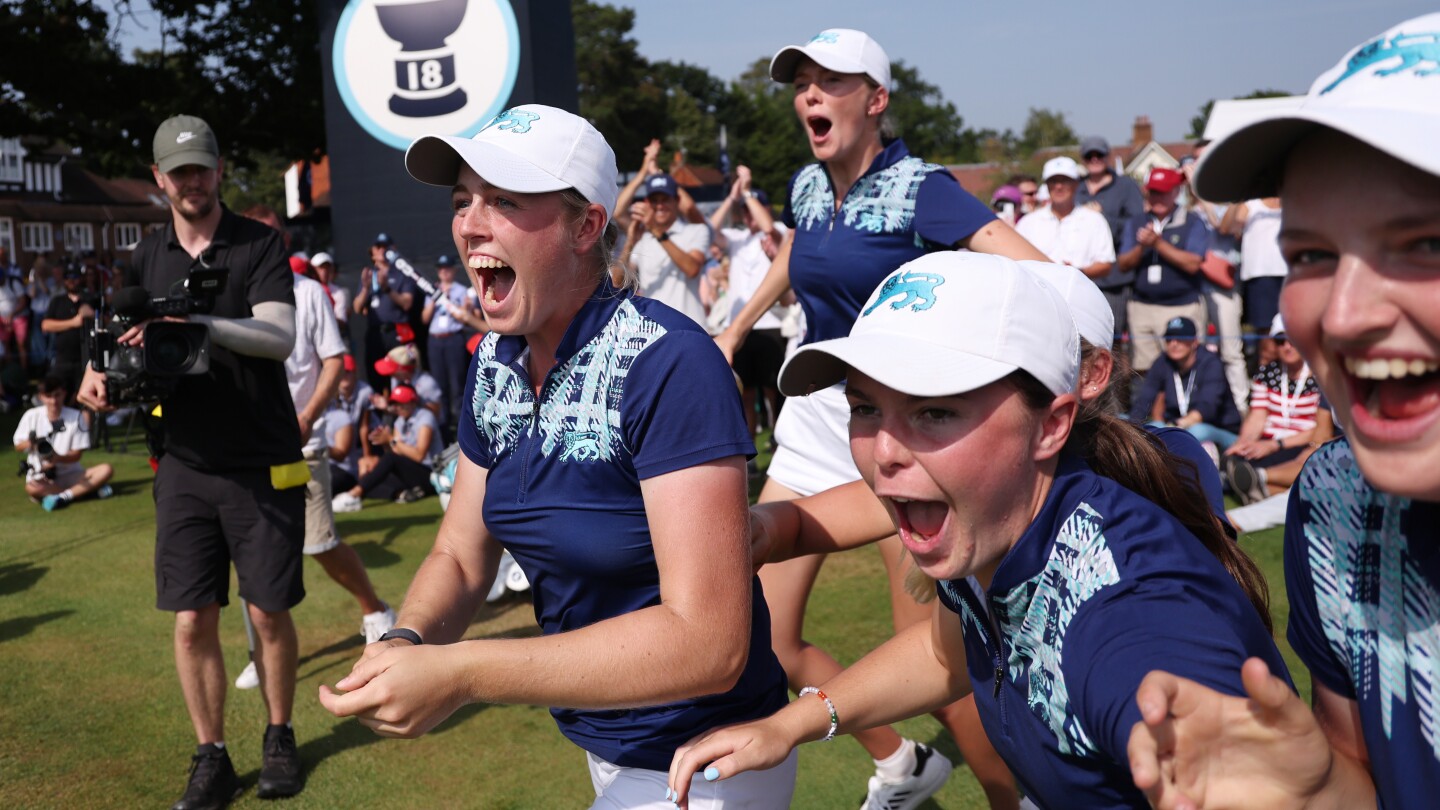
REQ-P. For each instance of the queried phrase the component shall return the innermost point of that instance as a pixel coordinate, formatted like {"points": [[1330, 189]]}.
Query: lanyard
{"points": [[1287, 402], [1182, 393]]}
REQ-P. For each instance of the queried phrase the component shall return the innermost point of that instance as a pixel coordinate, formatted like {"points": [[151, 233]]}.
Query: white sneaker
{"points": [[249, 678], [1213, 451], [345, 502], [931, 771], [374, 625]]}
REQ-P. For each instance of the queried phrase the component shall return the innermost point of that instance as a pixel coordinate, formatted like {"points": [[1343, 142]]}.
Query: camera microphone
{"points": [[132, 304]]}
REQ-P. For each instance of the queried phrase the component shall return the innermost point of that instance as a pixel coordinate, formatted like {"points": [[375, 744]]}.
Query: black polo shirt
{"points": [[239, 414], [69, 344]]}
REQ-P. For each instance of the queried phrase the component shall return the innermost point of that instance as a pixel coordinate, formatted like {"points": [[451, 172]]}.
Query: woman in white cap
{"points": [[604, 446], [1062, 583], [1358, 168], [865, 207]]}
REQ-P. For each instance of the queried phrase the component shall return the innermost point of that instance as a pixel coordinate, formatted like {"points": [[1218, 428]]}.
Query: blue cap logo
{"points": [[826, 37], [516, 121], [913, 290], [1417, 52]]}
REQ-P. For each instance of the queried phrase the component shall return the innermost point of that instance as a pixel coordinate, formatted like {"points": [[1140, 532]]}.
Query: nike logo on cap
{"points": [[184, 136]]}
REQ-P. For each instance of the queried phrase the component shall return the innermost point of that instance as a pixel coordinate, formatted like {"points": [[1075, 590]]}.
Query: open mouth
{"points": [[1389, 392], [819, 126], [921, 524], [496, 277]]}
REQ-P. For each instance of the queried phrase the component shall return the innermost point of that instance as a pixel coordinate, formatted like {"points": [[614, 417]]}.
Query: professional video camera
{"points": [[172, 349]]}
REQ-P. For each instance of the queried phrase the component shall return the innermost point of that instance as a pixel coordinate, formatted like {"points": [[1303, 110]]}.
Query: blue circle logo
{"points": [[406, 68]]}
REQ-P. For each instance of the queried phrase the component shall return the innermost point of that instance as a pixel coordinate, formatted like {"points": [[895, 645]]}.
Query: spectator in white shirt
{"points": [[53, 437], [1067, 233]]}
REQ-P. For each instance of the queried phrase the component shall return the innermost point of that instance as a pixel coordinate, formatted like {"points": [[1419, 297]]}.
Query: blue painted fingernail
{"points": [[669, 795], [712, 773]]}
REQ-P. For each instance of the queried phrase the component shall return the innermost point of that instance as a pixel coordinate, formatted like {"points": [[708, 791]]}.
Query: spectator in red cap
{"points": [[1164, 248], [403, 471], [402, 366]]}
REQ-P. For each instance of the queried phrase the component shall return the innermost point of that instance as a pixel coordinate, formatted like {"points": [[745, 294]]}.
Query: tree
{"points": [[930, 125], [1045, 128], [1199, 122], [255, 74], [764, 132], [617, 94]]}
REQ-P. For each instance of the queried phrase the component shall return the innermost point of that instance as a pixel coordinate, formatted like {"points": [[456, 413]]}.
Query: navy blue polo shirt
{"points": [[382, 308], [900, 209], [1179, 442], [1209, 391], [1175, 286], [1362, 570], [638, 390], [1103, 587]]}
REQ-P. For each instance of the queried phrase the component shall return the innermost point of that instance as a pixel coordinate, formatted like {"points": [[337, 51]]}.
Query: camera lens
{"points": [[171, 353]]}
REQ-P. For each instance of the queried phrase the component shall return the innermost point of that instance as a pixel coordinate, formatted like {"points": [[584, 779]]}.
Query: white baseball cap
{"points": [[1060, 167], [1384, 92], [528, 149], [843, 50], [321, 258], [1277, 326], [947, 323], [1094, 319]]}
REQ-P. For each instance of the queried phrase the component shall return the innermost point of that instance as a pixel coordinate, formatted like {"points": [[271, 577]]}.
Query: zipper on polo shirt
{"points": [[990, 640]]}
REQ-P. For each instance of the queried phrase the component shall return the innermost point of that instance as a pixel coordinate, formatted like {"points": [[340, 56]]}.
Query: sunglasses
{"points": [[1094, 156], [1173, 339], [1281, 341]]}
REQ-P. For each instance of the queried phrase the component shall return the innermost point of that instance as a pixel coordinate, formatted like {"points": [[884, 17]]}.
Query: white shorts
{"points": [[641, 789], [320, 533], [813, 434]]}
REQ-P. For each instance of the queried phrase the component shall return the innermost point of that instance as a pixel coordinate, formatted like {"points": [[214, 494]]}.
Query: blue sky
{"points": [[1100, 62]]}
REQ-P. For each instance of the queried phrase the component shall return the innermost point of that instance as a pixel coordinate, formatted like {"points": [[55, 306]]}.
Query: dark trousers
{"points": [[394, 473], [448, 362]]}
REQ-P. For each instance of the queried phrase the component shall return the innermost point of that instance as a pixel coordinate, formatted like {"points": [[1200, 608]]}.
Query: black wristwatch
{"points": [[403, 633], [663, 237]]}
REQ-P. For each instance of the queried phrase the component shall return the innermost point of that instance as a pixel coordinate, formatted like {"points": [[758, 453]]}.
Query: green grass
{"points": [[92, 715]]}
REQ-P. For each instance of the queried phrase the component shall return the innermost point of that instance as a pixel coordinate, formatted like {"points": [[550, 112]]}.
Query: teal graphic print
{"points": [[1375, 605], [880, 202], [580, 416], [1417, 52], [1036, 617], [516, 121], [914, 290]]}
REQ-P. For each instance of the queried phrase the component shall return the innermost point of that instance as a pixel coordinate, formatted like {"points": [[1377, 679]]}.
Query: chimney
{"points": [[1144, 133]]}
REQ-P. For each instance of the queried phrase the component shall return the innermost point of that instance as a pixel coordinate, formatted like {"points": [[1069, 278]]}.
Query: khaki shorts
{"points": [[320, 533]]}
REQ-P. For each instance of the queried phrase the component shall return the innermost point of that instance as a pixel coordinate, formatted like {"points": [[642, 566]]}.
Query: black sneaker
{"points": [[281, 774], [213, 783]]}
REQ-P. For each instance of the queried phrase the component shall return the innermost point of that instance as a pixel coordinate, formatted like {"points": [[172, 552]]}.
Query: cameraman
{"points": [[230, 485], [53, 437]]}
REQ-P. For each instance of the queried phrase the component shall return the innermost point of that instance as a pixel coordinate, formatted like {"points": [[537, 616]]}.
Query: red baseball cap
{"points": [[1162, 179], [349, 362], [473, 342], [299, 265], [404, 333], [402, 394], [403, 356]]}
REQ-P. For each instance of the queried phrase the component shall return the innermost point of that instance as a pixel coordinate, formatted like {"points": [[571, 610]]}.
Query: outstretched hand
{"points": [[1198, 748], [724, 752], [398, 690]]}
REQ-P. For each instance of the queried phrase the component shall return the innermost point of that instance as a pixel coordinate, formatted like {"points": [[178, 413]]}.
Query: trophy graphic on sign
{"points": [[425, 68]]}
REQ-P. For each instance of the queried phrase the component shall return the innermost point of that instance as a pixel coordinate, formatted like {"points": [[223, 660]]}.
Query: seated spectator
{"points": [[410, 444], [402, 365], [53, 437], [1187, 388], [347, 430], [1281, 425]]}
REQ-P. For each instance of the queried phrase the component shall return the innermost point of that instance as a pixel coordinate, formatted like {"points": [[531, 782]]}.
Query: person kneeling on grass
{"points": [[53, 437], [410, 444]]}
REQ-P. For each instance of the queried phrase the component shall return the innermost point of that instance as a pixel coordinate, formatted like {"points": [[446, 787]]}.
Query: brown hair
{"points": [[604, 251], [1134, 459]]}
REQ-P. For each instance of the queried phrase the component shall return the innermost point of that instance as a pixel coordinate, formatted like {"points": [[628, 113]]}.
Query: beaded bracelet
{"points": [[834, 718]]}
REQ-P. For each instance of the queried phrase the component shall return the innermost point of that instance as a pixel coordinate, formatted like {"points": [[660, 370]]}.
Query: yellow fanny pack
{"points": [[286, 476]]}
